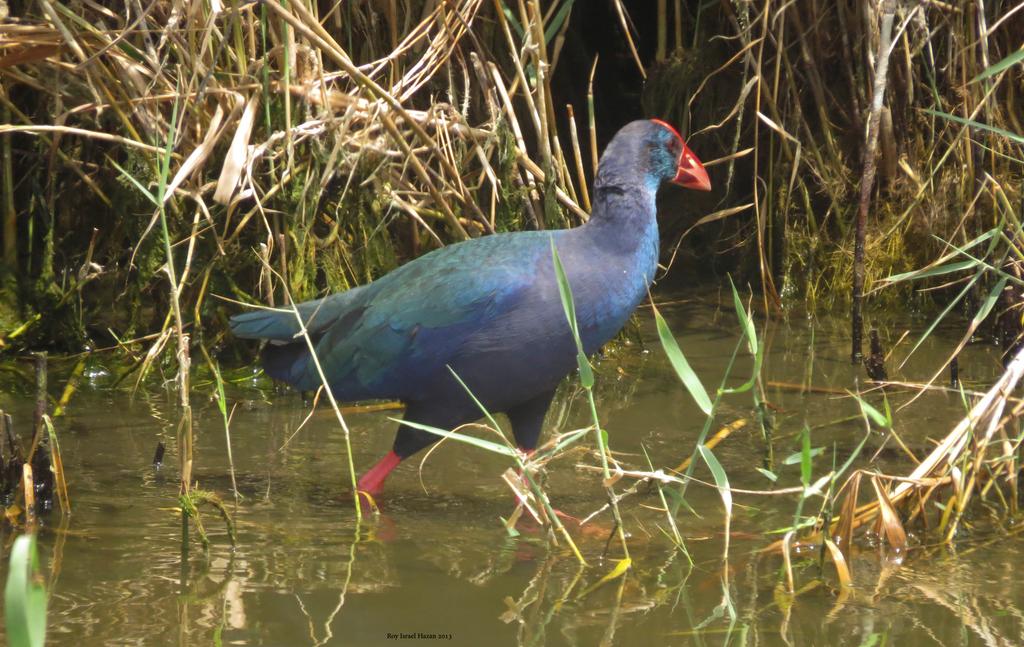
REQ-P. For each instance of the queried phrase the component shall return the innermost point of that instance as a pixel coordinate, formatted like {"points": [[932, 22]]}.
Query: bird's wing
{"points": [[406, 326]]}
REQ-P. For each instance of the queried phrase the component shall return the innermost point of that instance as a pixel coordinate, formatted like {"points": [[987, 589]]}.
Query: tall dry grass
{"points": [[335, 140], [786, 90], [340, 139]]}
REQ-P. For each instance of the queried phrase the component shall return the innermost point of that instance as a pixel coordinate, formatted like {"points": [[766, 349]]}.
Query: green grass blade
{"points": [[755, 347], [1014, 137], [996, 68], [872, 413], [564, 290], [745, 319], [718, 473], [569, 306], [556, 22], [480, 405], [681, 366], [586, 372], [982, 267], [853, 455], [988, 266], [165, 161], [990, 301], [138, 185], [25, 596], [222, 401], [768, 474], [988, 235], [568, 439], [948, 268], [797, 458], [935, 269], [512, 20], [942, 315], [490, 446]]}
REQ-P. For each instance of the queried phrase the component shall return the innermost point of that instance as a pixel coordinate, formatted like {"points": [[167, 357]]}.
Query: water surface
{"points": [[438, 567]]}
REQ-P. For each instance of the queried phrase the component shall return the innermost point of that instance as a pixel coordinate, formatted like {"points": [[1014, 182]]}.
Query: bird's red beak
{"points": [[691, 173]]}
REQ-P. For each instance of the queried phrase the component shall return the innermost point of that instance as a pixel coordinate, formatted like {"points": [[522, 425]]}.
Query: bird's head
{"points": [[652, 152], [672, 160]]}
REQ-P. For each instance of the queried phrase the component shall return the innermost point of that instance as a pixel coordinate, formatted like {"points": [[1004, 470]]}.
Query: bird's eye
{"points": [[675, 147]]}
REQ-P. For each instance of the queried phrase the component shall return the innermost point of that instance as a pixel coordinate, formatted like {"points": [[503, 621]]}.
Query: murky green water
{"points": [[438, 563]]}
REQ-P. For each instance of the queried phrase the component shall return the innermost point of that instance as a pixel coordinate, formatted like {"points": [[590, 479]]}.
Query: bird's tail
{"points": [[279, 325], [286, 357]]}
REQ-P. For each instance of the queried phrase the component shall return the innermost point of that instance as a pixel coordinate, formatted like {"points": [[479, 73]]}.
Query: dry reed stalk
{"points": [[581, 177], [591, 120], [961, 461], [57, 466], [802, 175], [867, 181], [285, 84], [28, 489]]}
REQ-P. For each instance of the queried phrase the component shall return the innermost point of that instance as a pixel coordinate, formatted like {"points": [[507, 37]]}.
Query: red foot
{"points": [[373, 481]]}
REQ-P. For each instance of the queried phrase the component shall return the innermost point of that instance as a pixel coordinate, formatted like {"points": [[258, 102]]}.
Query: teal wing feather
{"points": [[420, 315], [383, 339]]}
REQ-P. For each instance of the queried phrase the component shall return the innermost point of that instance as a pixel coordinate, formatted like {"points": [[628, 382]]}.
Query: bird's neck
{"points": [[621, 241], [624, 217], [611, 260]]}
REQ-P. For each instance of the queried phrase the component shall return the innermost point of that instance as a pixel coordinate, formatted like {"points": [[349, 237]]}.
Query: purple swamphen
{"points": [[489, 308]]}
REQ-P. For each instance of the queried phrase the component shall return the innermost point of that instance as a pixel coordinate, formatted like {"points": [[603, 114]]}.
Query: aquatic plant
{"points": [[25, 596]]}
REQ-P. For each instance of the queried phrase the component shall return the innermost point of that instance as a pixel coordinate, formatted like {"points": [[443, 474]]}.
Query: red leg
{"points": [[373, 481]]}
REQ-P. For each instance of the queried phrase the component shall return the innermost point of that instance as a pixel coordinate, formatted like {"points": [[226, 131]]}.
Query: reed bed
{"points": [[333, 144], [855, 133], [338, 141]]}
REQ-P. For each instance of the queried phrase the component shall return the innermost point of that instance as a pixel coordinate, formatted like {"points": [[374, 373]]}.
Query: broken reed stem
{"points": [[70, 386], [868, 179], [591, 120], [231, 459], [41, 402], [629, 38], [57, 464], [542, 496], [28, 488]]}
